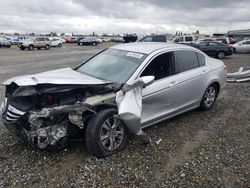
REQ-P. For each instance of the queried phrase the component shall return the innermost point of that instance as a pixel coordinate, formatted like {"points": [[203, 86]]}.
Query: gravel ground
{"points": [[197, 149]]}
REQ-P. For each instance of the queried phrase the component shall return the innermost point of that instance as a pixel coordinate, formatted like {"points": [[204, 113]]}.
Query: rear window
{"points": [[185, 60]]}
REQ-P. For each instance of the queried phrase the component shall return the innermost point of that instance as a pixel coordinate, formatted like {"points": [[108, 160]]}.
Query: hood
{"points": [[60, 76]]}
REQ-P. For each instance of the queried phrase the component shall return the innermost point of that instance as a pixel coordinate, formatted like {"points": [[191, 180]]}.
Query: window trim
{"points": [[151, 59], [189, 69]]}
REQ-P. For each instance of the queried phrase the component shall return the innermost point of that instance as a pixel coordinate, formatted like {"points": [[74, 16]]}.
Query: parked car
{"points": [[4, 42], [36, 42], [226, 40], [242, 46], [204, 40], [119, 91], [55, 42], [184, 39], [106, 39], [89, 41], [117, 39], [154, 38], [130, 38], [215, 49], [71, 39]]}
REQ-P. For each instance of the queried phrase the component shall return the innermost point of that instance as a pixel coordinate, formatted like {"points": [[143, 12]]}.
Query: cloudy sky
{"points": [[123, 16]]}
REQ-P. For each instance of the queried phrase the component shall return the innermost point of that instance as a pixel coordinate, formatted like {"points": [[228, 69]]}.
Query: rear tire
{"points": [[94, 44], [209, 97], [59, 45], [31, 47], [47, 47], [221, 55], [104, 136]]}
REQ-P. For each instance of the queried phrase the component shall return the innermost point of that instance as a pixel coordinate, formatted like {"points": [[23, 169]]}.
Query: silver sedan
{"points": [[118, 92], [242, 46]]}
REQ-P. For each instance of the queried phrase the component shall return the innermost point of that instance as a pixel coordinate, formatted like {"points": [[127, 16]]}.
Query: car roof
{"points": [[149, 47]]}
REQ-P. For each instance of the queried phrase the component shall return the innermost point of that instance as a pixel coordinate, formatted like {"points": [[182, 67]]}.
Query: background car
{"points": [[130, 38], [154, 38], [36, 42], [88, 41], [204, 40], [121, 90], [215, 49], [4, 42], [55, 42], [117, 39], [184, 39], [242, 46]]}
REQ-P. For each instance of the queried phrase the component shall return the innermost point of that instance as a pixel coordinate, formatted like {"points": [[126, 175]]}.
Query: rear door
{"points": [[203, 46], [189, 79], [212, 48]]}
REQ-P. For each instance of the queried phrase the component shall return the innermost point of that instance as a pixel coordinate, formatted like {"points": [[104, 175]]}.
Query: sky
{"points": [[123, 16]]}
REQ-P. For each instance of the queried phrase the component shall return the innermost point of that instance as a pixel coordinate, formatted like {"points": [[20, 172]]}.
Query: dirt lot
{"points": [[197, 149]]}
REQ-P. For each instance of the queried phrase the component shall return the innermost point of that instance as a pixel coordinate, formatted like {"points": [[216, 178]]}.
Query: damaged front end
{"points": [[49, 115], [49, 112]]}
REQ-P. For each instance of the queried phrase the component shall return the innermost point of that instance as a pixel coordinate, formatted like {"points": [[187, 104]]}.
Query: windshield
{"points": [[113, 65]]}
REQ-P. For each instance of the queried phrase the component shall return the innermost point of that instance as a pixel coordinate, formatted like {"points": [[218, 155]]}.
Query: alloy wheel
{"points": [[210, 96], [112, 134]]}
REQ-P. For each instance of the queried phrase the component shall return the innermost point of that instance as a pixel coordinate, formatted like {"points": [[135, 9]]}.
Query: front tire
{"points": [[106, 135], [209, 97]]}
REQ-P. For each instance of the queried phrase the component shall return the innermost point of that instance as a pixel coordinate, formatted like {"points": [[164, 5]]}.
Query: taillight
{"points": [[225, 67]]}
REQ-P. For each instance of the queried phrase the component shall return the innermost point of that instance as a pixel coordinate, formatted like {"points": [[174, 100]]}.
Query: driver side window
{"points": [[160, 67]]}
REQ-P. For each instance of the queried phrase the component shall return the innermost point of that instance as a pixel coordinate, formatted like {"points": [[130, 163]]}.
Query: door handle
{"points": [[172, 83], [203, 72]]}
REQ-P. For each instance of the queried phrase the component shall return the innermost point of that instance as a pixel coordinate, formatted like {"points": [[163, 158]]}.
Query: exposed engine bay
{"points": [[50, 109], [48, 115]]}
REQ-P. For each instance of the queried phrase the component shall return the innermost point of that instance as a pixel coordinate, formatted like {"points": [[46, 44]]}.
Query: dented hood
{"points": [[60, 76]]}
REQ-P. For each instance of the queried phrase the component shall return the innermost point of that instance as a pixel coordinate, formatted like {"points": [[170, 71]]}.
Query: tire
{"points": [[99, 127], [22, 48], [234, 49], [59, 45], [209, 97], [47, 47], [94, 44], [31, 47], [221, 55]]}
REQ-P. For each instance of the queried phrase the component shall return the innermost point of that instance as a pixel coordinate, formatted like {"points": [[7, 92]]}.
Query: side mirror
{"points": [[147, 80]]}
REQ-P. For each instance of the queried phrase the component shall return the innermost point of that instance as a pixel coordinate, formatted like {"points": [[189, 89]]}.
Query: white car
{"points": [[242, 46], [4, 42], [55, 42], [185, 39]]}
